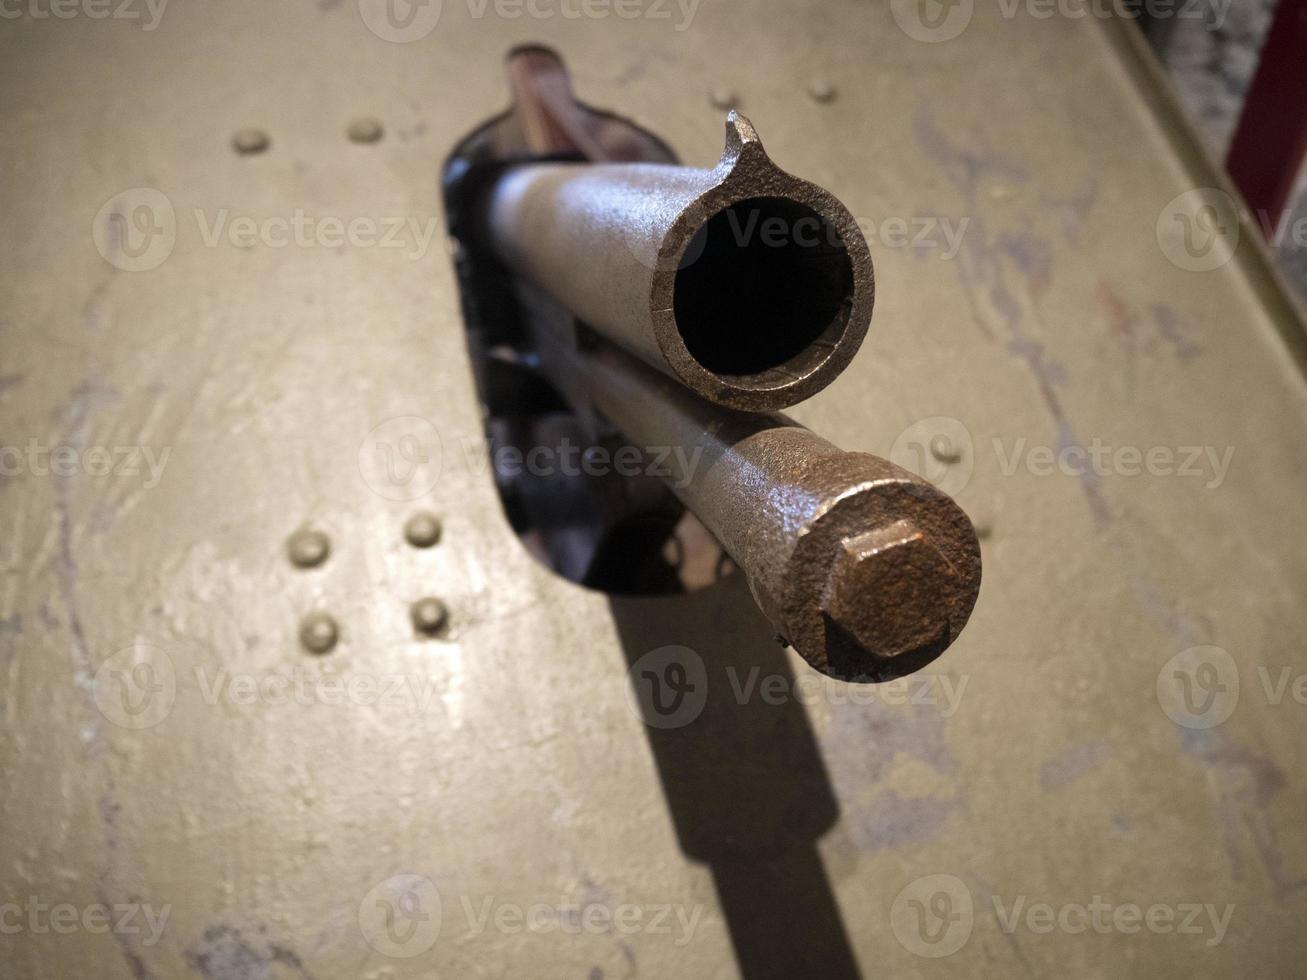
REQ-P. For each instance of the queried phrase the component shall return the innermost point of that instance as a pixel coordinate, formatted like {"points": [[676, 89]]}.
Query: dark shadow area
{"points": [[772, 277], [744, 781]]}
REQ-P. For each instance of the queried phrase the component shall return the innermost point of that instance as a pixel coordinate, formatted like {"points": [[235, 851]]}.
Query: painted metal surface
{"points": [[1119, 726]]}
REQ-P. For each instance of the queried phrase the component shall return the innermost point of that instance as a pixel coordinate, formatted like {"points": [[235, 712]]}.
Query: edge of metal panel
{"points": [[1252, 254]]}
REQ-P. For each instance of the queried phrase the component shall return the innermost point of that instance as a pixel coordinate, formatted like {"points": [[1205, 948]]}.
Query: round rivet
{"points": [[422, 530], [429, 615], [318, 632], [364, 131], [247, 142], [307, 548], [821, 90], [723, 97]]}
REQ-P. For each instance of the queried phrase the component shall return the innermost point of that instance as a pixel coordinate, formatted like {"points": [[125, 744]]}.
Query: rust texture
{"points": [[867, 570], [750, 286], [749, 290]]}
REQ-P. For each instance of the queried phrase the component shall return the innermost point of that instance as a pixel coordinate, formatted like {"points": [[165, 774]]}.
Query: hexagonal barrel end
{"points": [[884, 580]]}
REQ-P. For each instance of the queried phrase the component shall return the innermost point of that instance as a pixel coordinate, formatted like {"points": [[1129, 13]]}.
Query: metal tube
{"points": [[750, 286], [867, 570]]}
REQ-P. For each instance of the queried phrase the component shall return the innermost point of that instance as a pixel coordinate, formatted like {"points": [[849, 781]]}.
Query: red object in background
{"points": [[1267, 150]]}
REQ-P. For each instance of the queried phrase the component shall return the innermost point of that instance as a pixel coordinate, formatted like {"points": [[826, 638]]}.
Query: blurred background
{"points": [[1212, 68]]}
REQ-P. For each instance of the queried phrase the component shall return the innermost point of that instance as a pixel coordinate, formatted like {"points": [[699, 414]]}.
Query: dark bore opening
{"points": [[761, 281]]}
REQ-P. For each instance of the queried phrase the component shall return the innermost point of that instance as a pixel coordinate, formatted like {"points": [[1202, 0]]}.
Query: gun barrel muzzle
{"points": [[750, 286]]}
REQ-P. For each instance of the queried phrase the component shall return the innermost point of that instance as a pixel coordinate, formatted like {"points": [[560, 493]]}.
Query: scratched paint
{"points": [[1064, 769], [877, 817], [983, 271]]}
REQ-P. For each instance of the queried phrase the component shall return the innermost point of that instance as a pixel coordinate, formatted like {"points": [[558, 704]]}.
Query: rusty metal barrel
{"points": [[866, 569], [751, 287]]}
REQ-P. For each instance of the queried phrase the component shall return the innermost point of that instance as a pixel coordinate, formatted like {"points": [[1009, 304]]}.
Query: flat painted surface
{"points": [[265, 341]]}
